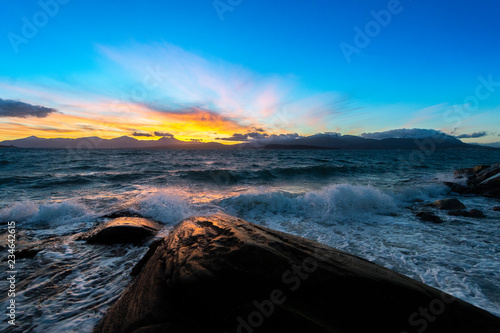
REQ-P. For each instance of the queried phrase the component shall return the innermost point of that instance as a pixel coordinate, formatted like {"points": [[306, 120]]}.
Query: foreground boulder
{"points": [[133, 230], [222, 274], [483, 180]]}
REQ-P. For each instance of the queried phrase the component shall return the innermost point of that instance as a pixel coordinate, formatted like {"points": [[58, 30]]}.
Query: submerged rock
{"points": [[222, 274], [467, 213], [134, 230], [448, 204], [429, 216]]}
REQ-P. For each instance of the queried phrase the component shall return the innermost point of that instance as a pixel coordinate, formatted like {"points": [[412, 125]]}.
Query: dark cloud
{"points": [[142, 134], [246, 137], [235, 137], [196, 140], [164, 134], [11, 108], [258, 129], [471, 135], [254, 136]]}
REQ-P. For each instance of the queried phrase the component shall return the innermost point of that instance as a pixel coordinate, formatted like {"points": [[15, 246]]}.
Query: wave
{"points": [[233, 176], [331, 203], [50, 213], [165, 206]]}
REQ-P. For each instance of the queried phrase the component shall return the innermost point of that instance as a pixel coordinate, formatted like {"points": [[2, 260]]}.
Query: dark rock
{"points": [[134, 230], [467, 172], [28, 253], [483, 180], [484, 174], [496, 208], [457, 188], [27, 247], [467, 213], [218, 273], [429, 216], [448, 204], [123, 213], [152, 248]]}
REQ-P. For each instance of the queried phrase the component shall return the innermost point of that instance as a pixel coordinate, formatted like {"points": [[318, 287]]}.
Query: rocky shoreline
{"points": [[219, 273]]}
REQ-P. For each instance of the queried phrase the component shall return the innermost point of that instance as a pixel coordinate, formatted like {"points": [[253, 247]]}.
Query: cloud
{"points": [[472, 135], [261, 137], [173, 80], [11, 108], [142, 134], [403, 133], [164, 134]]}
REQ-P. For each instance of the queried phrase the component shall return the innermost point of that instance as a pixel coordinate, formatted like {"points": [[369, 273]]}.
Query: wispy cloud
{"points": [[472, 135]]}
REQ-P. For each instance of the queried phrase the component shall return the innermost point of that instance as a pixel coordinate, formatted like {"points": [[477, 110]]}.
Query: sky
{"points": [[206, 70]]}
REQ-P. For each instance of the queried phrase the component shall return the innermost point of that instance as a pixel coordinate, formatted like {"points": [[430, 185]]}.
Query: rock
{"points": [[448, 204], [222, 274], [134, 230], [429, 216], [467, 213], [467, 172], [484, 174], [27, 247], [483, 180], [457, 188], [496, 208], [122, 213]]}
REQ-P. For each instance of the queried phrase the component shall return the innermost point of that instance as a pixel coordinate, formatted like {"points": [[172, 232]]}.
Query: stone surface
{"points": [[448, 204], [429, 216], [467, 213], [222, 274], [482, 180], [134, 230]]}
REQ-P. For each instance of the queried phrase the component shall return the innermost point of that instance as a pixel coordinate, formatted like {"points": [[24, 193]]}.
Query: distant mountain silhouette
{"points": [[317, 141], [351, 142]]}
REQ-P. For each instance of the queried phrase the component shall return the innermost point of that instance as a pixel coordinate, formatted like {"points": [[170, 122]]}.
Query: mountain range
{"points": [[317, 141]]}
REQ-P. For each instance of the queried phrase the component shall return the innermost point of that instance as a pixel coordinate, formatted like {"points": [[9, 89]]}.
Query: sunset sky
{"points": [[204, 69]]}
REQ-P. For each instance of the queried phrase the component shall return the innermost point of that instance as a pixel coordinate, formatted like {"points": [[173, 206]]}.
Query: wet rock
{"points": [[467, 213], [133, 230], [457, 188], [429, 216], [482, 180], [448, 204], [467, 172], [122, 213], [222, 274]]}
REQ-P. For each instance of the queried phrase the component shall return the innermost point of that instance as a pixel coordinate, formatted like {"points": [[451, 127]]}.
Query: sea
{"points": [[361, 202]]}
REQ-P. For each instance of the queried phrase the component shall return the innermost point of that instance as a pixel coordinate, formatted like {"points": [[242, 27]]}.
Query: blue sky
{"points": [[275, 65]]}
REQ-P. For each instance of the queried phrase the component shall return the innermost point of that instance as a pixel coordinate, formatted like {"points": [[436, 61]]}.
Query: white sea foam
{"points": [[55, 213], [332, 202], [166, 206]]}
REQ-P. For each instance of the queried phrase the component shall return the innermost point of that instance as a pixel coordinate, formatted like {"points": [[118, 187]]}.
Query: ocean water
{"points": [[361, 202]]}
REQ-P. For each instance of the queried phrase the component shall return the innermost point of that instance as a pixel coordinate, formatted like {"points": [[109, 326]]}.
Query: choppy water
{"points": [[355, 201]]}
